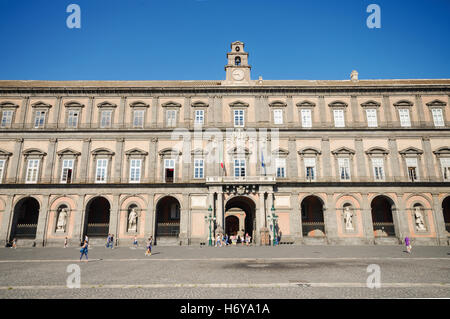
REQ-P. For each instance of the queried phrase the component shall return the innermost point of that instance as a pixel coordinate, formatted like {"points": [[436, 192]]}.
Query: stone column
{"points": [[292, 167], [395, 162], [84, 162], [355, 113], [290, 111], [400, 219], [330, 220], [153, 160], [360, 160], [57, 111], [218, 111], [420, 112], [6, 220], [114, 217], [260, 217], [322, 111], [42, 222], [23, 112], [296, 219], [79, 219], [48, 172], [154, 110], [122, 111], [438, 217], [15, 161], [326, 159], [220, 208], [386, 105], [187, 159], [149, 228], [89, 113], [187, 111], [264, 110], [210, 112], [118, 160], [428, 159], [184, 220], [367, 222]]}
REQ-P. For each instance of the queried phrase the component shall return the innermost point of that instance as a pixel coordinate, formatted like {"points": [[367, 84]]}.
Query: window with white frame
{"points": [[239, 167], [39, 118], [339, 120], [106, 118], [378, 168], [438, 117], [412, 168], [2, 169], [306, 118], [445, 167], [238, 118], [138, 118], [72, 118], [199, 116], [101, 171], [344, 168], [171, 118], [371, 115], [135, 170], [405, 120], [280, 164], [7, 118], [310, 168], [169, 170], [278, 116], [198, 168], [67, 171], [32, 171]]}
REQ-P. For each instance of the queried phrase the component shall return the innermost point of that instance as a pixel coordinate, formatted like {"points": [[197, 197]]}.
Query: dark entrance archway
{"points": [[383, 223], [167, 218], [446, 212], [312, 217], [25, 220], [97, 217], [248, 206], [231, 225]]}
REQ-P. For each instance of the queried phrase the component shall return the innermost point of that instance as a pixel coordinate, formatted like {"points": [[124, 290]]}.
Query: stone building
{"points": [[337, 162]]}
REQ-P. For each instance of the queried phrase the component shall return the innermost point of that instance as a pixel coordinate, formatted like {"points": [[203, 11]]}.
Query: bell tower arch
{"points": [[237, 70]]}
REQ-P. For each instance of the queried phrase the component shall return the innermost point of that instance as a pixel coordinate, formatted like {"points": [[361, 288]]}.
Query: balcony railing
{"points": [[27, 231]]}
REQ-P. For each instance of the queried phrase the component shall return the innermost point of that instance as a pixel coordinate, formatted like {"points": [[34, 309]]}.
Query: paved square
{"points": [[227, 272]]}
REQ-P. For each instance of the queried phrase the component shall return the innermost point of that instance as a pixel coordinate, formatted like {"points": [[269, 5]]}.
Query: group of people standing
{"points": [[225, 240]]}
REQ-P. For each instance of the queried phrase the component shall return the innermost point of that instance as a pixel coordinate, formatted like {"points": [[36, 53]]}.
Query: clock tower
{"points": [[237, 69]]}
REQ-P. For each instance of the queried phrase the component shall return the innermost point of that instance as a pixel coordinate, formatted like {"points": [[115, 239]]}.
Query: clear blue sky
{"points": [[188, 39]]}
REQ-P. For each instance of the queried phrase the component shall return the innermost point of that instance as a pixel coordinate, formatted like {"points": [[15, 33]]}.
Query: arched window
{"points": [[237, 61]]}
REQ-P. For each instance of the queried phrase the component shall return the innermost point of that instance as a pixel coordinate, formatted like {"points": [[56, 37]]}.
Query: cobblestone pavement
{"points": [[227, 272]]}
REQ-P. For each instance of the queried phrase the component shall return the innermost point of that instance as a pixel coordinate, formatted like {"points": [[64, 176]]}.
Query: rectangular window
{"points": [[339, 118], [171, 118], [39, 119], [405, 120], [310, 169], [378, 168], [2, 169], [32, 171], [238, 118], [102, 170], [106, 116], [438, 118], [278, 116], [344, 169], [371, 115], [306, 118], [239, 167], [169, 170], [7, 118], [67, 170], [445, 166], [135, 170], [138, 118], [411, 164], [198, 168], [280, 164], [199, 116], [72, 119]]}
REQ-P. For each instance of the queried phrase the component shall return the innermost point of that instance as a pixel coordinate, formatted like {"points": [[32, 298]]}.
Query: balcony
{"points": [[240, 180]]}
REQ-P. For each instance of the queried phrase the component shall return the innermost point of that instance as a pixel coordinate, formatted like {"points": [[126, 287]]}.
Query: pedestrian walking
{"points": [[247, 239], [408, 244], [148, 252], [112, 241], [108, 241], [218, 241], [65, 242], [135, 242], [84, 250], [86, 239], [14, 243]]}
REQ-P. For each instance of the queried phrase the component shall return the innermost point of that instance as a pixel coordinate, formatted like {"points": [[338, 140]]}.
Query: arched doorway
{"points": [[247, 207], [232, 225], [167, 219], [446, 212], [25, 220], [97, 217], [383, 223], [313, 224]]}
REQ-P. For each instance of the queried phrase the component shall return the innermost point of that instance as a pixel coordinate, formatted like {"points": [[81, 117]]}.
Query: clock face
{"points": [[238, 75]]}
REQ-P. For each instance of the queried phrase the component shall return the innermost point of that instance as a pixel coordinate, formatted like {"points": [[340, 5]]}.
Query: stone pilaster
{"points": [[322, 111], [400, 218], [85, 159], [114, 217], [187, 159], [355, 112], [211, 121], [386, 105], [90, 112], [360, 160], [57, 111], [420, 110], [187, 111], [15, 161], [23, 111], [438, 217], [78, 229], [394, 160], [153, 160], [118, 160], [6, 220], [292, 167], [326, 159], [48, 172], [184, 220], [149, 228], [330, 219], [428, 159], [154, 111], [290, 111], [218, 110], [295, 219], [367, 222], [42, 222], [122, 111]]}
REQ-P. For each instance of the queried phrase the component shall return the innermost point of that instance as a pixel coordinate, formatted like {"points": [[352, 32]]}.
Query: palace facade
{"points": [[337, 162]]}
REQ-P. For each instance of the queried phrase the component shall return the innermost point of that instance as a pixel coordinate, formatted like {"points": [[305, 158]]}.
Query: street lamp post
{"points": [[273, 217], [210, 218]]}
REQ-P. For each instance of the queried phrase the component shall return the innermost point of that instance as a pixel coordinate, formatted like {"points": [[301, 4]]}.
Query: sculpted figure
{"points": [[420, 225], [62, 221], [132, 220], [348, 218]]}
